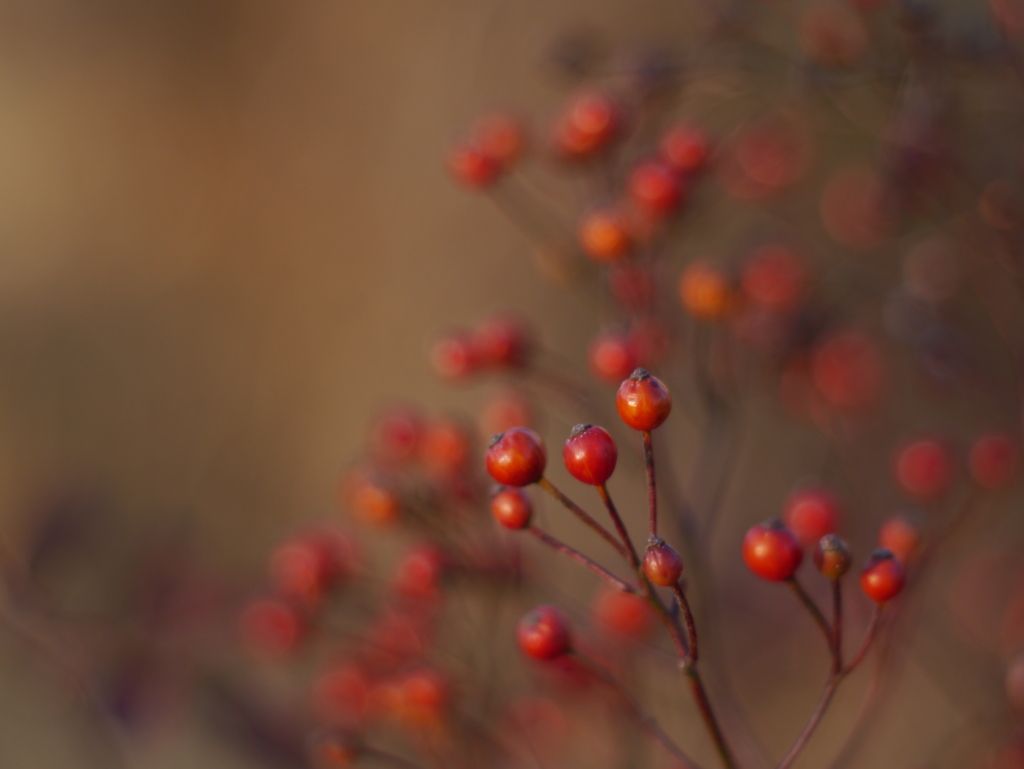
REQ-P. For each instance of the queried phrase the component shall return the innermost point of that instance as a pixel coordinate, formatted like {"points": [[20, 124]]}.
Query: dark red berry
{"points": [[516, 457], [271, 627], [811, 513], [685, 148], [832, 556], [993, 461], [612, 356], [655, 188], [882, 576], [772, 551], [643, 401], [924, 468], [662, 563], [470, 166], [544, 633], [589, 124], [512, 508], [590, 454], [503, 341]]}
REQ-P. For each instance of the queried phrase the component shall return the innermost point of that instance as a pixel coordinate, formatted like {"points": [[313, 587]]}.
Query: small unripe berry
{"points": [[543, 633], [924, 468], [512, 508], [993, 461], [643, 401], [662, 563], [590, 454], [611, 356], [832, 556], [772, 551], [882, 576], [811, 513], [516, 457]]}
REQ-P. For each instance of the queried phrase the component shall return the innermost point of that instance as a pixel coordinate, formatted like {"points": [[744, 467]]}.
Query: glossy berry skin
{"points": [[924, 468], [811, 513], [993, 461], [772, 551], [643, 401], [543, 633], [882, 577], [590, 454], [516, 457], [512, 508], [832, 556], [611, 356], [662, 564]]}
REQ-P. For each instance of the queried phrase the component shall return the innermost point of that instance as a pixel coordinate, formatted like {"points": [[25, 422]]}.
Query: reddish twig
{"points": [[580, 513], [583, 560]]}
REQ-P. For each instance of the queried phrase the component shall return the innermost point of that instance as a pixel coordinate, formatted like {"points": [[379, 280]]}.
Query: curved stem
{"points": [[580, 513], [645, 719], [815, 613], [652, 491], [691, 627], [620, 527], [583, 560], [837, 625]]}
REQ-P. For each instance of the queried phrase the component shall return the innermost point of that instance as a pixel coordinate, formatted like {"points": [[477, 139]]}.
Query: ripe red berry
{"points": [[500, 138], [643, 401], [395, 434], [604, 235], [924, 468], [303, 568], [371, 496], [445, 448], [848, 370], [505, 410], [271, 627], [421, 698], [655, 188], [512, 508], [590, 454], [900, 537], [470, 166], [516, 457], [419, 572], [775, 279], [611, 356], [811, 513], [662, 564], [832, 556], [503, 341], [772, 551], [705, 291], [882, 576], [625, 613], [340, 694], [453, 356], [993, 461], [685, 148], [588, 125], [543, 633]]}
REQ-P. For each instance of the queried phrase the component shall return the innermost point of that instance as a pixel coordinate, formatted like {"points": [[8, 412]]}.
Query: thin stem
{"points": [[645, 719], [834, 679], [620, 527], [576, 510], [691, 627], [837, 625], [815, 613], [583, 560], [652, 492]]}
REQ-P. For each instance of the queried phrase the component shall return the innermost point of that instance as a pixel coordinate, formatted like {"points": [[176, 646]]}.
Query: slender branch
{"points": [[834, 679], [691, 627], [583, 560], [652, 492], [815, 613], [580, 513], [620, 527], [645, 719], [837, 625]]}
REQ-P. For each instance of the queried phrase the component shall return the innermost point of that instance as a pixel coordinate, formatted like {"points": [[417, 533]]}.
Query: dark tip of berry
{"points": [[581, 428], [497, 488], [882, 554], [773, 523], [494, 439], [830, 543], [654, 541], [639, 374]]}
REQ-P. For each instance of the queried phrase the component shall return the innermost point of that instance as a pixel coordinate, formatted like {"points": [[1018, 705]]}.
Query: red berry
{"points": [[470, 166], [811, 513], [775, 279], [445, 448], [662, 563], [303, 568], [848, 371], [332, 749], [643, 401], [341, 694], [500, 138], [882, 577], [419, 572], [544, 633], [612, 357], [422, 698], [993, 461], [924, 468], [624, 613], [772, 551], [512, 508], [453, 356], [832, 556], [395, 434], [685, 148], [505, 410], [900, 537], [516, 457], [705, 291], [655, 188], [271, 627], [503, 341], [590, 454], [589, 124], [604, 235], [371, 497]]}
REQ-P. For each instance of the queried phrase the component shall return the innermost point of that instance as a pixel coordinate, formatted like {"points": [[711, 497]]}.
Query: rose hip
{"points": [[590, 454], [544, 633], [832, 556], [516, 457], [512, 508], [643, 401], [811, 513], [662, 564], [882, 576], [772, 551]]}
